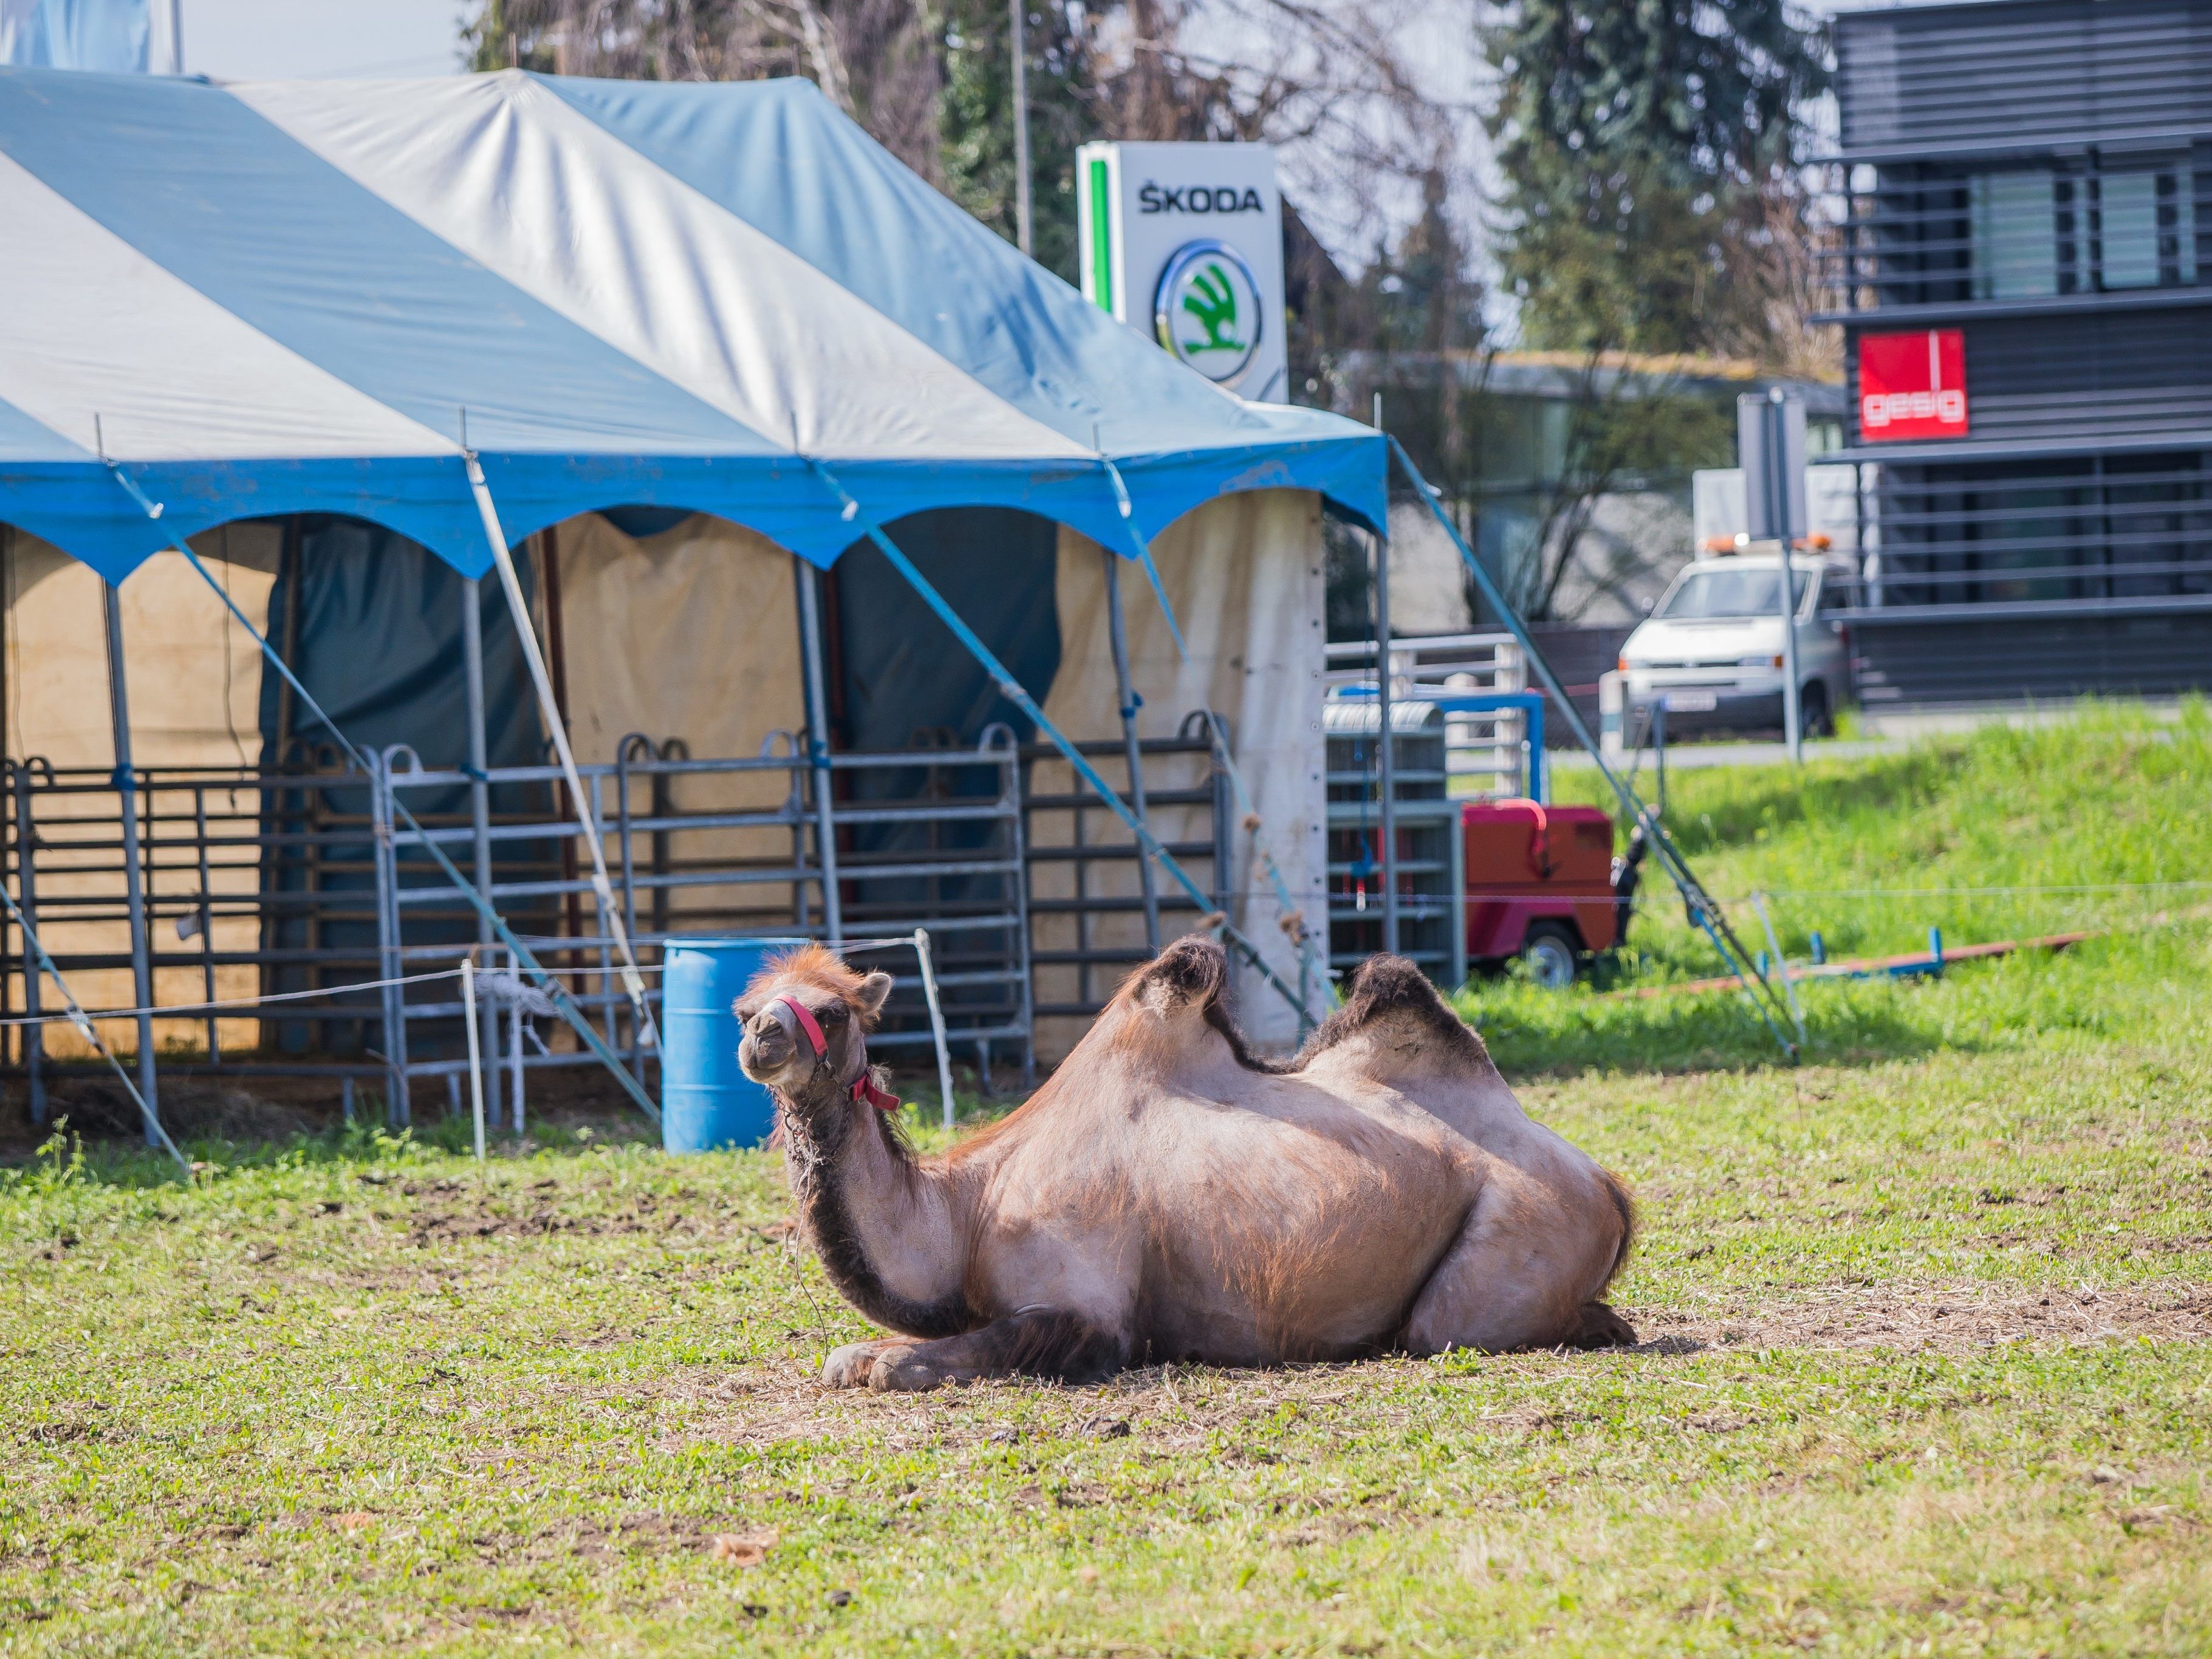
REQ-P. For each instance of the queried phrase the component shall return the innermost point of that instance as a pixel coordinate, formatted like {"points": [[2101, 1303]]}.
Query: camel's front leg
{"points": [[848, 1367], [1047, 1342]]}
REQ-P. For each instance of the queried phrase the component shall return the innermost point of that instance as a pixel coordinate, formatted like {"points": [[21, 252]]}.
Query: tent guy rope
{"points": [[85, 1029], [1704, 912]]}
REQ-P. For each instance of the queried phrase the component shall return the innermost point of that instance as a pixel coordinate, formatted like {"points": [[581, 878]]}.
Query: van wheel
{"points": [[1553, 954], [1814, 718]]}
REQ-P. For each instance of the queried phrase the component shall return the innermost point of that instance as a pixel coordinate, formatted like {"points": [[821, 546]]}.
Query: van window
{"points": [[1729, 590]]}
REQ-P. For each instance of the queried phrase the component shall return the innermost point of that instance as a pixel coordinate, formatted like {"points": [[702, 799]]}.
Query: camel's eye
{"points": [[833, 1015]]}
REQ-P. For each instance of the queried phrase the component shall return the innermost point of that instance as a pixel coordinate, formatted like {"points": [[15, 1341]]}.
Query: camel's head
{"points": [[778, 1050]]}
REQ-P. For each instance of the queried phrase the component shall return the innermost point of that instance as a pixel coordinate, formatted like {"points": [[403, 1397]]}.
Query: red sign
{"points": [[1912, 386]]}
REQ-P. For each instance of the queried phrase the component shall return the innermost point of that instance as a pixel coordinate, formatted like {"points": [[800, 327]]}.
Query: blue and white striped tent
{"points": [[281, 297]]}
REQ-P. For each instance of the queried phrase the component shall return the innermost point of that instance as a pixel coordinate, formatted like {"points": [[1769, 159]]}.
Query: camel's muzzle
{"points": [[769, 1049]]}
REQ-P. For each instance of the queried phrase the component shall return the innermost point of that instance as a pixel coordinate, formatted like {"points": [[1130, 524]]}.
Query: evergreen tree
{"points": [[976, 119], [1637, 144]]}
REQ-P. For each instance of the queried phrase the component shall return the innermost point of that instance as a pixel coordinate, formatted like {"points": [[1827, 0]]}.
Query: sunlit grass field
{"points": [[1927, 1364]]}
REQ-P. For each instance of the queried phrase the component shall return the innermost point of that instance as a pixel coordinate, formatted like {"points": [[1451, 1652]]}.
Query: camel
{"points": [[1166, 1195]]}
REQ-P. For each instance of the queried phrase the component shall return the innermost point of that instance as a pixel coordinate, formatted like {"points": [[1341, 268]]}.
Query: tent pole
{"points": [[1130, 704], [142, 970], [480, 810], [817, 744], [1387, 755]]}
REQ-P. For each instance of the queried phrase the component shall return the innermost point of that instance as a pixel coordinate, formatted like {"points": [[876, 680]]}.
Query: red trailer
{"points": [[1540, 885]]}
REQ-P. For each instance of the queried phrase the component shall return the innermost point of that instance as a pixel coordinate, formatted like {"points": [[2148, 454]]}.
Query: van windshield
{"points": [[1707, 595]]}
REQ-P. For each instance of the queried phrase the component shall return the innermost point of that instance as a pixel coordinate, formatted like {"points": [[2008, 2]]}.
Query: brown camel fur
{"points": [[1168, 1196]]}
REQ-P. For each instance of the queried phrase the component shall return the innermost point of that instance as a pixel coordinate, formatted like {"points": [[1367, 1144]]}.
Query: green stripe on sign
{"points": [[1102, 239]]}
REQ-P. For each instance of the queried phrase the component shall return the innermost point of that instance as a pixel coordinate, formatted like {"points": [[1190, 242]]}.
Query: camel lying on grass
{"points": [[1168, 1196]]}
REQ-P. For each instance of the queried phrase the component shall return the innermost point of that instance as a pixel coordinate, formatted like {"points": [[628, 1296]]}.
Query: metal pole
{"points": [[26, 883], [514, 1041], [176, 37], [818, 742], [383, 810], [141, 969], [1387, 755], [1130, 704], [207, 925], [1023, 208], [1777, 497], [472, 669]]}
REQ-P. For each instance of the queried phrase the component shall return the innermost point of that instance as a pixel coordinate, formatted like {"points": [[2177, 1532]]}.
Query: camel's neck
{"points": [[890, 1230]]}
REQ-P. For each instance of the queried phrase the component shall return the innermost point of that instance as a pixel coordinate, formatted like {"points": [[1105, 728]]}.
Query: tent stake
{"points": [[126, 790]]}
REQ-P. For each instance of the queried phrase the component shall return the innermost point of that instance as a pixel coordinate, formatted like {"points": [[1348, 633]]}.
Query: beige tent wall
{"points": [[1244, 574], [692, 634], [193, 677]]}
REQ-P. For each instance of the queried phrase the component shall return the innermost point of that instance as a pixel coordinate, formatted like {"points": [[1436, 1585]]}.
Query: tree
{"points": [[976, 124], [1647, 151], [1653, 206], [932, 79]]}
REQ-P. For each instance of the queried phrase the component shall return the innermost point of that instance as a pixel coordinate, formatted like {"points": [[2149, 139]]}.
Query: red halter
{"points": [[864, 1087]]}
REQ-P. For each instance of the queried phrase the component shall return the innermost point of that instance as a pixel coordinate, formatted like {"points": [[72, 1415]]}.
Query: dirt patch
{"points": [[192, 1110], [1171, 1409], [628, 1534], [1943, 1319], [687, 1215]]}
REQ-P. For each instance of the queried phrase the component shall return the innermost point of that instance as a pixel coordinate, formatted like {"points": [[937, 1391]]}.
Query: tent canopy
{"points": [[280, 297]]}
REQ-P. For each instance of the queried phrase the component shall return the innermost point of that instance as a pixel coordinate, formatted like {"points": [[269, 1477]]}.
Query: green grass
{"points": [[2103, 823], [2007, 832], [1928, 1369]]}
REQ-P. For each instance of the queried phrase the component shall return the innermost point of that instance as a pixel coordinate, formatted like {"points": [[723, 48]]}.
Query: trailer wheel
{"points": [[1553, 955]]}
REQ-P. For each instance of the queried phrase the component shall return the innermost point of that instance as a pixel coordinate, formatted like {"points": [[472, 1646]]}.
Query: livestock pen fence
{"points": [[294, 925]]}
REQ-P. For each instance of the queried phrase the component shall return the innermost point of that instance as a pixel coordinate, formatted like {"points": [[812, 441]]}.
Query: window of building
{"points": [[2014, 230], [2146, 228], [2033, 232]]}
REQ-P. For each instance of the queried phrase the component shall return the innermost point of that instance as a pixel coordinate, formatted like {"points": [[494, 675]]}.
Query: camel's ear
{"points": [[873, 992]]}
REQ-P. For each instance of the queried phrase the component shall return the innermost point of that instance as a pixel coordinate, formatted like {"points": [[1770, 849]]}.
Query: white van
{"points": [[1711, 650]]}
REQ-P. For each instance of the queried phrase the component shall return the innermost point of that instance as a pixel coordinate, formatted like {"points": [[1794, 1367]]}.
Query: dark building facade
{"points": [[2028, 345]]}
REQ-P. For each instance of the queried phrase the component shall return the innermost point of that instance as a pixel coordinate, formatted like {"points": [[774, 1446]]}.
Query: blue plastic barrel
{"points": [[706, 1104]]}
